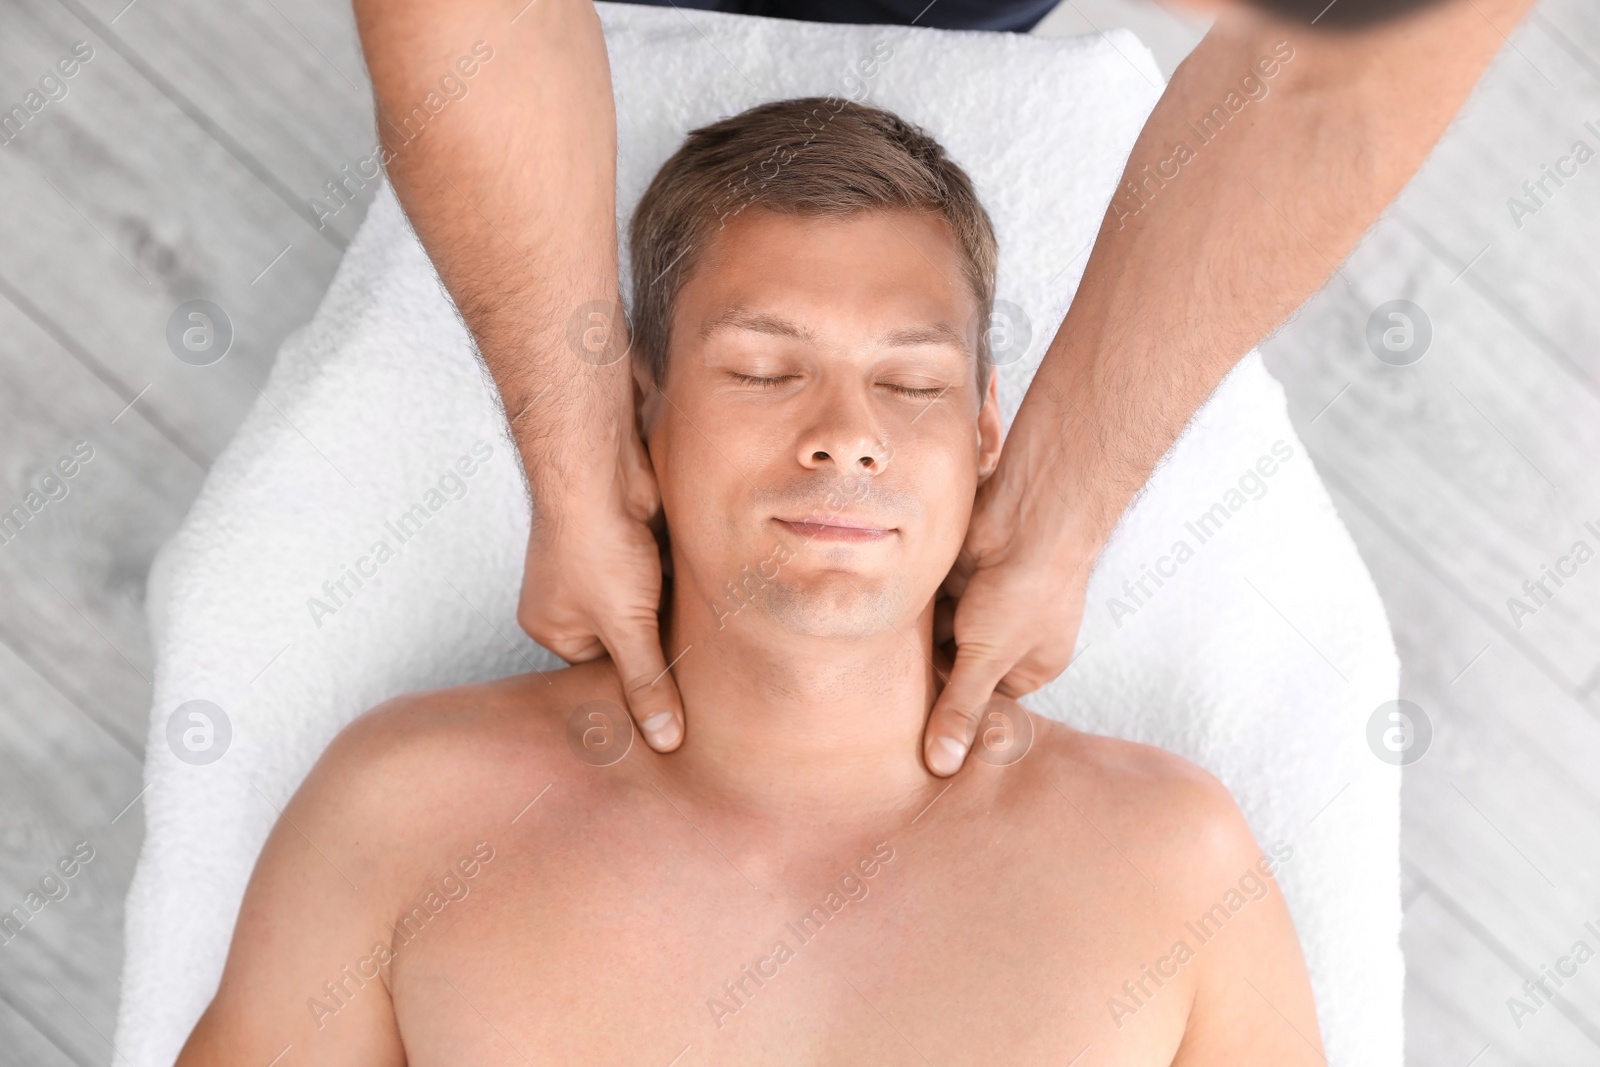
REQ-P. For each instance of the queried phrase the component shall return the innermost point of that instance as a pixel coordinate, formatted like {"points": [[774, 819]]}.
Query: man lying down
{"points": [[495, 874]]}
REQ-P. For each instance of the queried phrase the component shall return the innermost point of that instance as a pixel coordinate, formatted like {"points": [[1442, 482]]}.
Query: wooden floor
{"points": [[178, 166]]}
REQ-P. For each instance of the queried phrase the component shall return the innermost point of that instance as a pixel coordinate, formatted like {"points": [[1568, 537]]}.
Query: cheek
{"points": [[698, 453], [944, 481], [703, 490], [946, 530]]}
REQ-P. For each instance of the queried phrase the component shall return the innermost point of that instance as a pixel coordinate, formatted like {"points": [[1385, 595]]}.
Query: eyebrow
{"points": [[743, 318]]}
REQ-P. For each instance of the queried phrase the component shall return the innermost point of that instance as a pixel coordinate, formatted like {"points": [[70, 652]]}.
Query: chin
{"points": [[837, 606]]}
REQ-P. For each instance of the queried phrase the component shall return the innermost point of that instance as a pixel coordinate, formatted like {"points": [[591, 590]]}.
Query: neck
{"points": [[788, 724]]}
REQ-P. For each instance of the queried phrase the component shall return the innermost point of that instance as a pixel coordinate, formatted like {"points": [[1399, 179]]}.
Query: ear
{"points": [[646, 397], [991, 434]]}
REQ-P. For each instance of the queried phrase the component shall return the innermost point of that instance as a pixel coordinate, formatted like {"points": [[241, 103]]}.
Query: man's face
{"points": [[819, 436]]}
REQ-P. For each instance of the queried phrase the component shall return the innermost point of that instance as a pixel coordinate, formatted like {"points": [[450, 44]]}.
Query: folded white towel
{"points": [[1259, 655]]}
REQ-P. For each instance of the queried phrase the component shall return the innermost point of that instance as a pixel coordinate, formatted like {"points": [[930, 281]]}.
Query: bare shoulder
{"points": [[417, 786], [1143, 779], [1210, 886], [477, 728], [1148, 801], [425, 768]]}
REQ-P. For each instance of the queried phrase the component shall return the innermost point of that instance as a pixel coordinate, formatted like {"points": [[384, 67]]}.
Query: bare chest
{"points": [[661, 944]]}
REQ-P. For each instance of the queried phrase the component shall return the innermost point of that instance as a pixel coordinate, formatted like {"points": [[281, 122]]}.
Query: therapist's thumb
{"points": [[653, 698], [954, 719]]}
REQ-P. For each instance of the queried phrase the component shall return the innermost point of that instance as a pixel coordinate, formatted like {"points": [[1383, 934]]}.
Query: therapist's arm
{"points": [[512, 190], [1176, 293]]}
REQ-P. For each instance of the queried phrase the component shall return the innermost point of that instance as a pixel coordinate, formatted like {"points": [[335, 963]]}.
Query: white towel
{"points": [[1260, 656]]}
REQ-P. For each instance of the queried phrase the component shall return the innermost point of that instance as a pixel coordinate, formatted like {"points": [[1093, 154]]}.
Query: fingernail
{"points": [[946, 755], [660, 729]]}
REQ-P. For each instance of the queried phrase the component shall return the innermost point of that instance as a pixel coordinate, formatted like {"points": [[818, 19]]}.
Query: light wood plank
{"points": [[28, 1045], [75, 573], [281, 84], [1480, 452], [1501, 813], [1541, 96], [1446, 1029], [132, 208], [64, 780]]}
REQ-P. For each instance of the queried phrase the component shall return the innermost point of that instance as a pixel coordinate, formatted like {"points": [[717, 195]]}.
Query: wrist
{"points": [[1058, 464], [593, 468]]}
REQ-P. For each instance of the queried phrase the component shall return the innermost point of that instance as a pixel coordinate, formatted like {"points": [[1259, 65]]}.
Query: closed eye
{"points": [[932, 393], [760, 382], [774, 382]]}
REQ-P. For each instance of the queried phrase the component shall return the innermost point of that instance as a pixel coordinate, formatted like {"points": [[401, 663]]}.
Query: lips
{"points": [[846, 528]]}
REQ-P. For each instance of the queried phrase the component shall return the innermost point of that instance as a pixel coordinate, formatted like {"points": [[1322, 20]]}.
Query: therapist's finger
{"points": [[954, 719], [653, 698]]}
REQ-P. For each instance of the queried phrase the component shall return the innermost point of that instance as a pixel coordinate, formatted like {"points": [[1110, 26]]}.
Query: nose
{"points": [[846, 435]]}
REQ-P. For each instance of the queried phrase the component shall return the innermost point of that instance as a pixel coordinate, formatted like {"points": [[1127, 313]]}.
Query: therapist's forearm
{"points": [[511, 189], [1184, 280]]}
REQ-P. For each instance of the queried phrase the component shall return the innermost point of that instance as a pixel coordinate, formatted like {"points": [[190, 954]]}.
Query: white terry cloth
{"points": [[1260, 657]]}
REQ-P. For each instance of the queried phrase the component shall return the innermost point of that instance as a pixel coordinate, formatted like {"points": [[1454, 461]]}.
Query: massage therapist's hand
{"points": [[592, 585], [512, 191], [1179, 286], [1018, 590]]}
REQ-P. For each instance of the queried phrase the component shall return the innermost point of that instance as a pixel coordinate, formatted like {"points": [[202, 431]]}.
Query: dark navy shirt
{"points": [[1018, 16]]}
